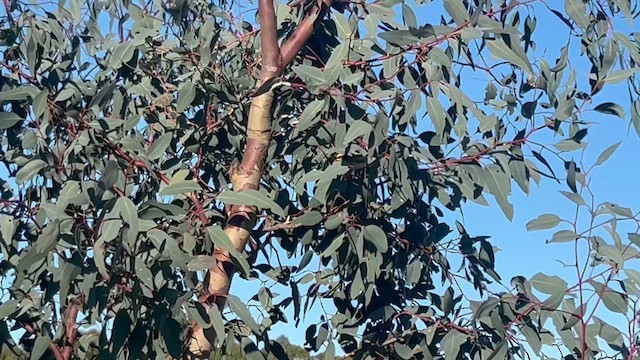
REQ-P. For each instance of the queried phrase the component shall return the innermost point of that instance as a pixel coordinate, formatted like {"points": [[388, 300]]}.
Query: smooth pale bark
{"points": [[246, 175]]}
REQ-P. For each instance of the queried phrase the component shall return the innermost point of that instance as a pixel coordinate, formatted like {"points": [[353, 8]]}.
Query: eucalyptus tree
{"points": [[155, 149]]}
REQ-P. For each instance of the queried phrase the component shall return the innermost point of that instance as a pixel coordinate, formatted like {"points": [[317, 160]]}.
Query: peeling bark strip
{"points": [[241, 219]]}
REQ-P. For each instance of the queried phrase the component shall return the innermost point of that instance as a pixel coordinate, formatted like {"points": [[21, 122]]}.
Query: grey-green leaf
{"points": [[542, 222]]}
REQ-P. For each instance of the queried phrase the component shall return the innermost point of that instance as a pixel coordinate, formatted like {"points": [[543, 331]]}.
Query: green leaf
{"points": [[40, 347], [217, 322], [635, 116], [437, 114], [159, 146], [634, 238], [542, 222], [452, 342], [9, 119], [250, 197], [563, 236], [122, 54], [500, 186], [310, 218], [377, 237], [144, 274], [129, 214], [357, 129], [180, 187], [19, 93], [221, 240], [311, 114], [201, 262], [500, 50], [613, 300], [186, 96], [240, 309], [403, 351], [571, 177], [8, 308], [311, 75], [606, 154], [552, 285], [7, 228], [620, 75], [399, 37], [576, 198], [611, 109], [457, 11], [30, 170], [576, 11]]}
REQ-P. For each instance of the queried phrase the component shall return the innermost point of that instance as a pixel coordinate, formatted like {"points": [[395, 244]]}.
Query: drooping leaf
{"points": [[250, 197], [546, 221]]}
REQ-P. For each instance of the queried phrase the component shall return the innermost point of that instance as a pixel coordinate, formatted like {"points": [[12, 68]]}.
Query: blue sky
{"points": [[525, 253]]}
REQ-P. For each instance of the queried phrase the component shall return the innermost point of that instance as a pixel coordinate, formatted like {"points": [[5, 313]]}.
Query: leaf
{"points": [[500, 186], [30, 170], [159, 146], [221, 240], [144, 274], [606, 154], [399, 37], [634, 238], [403, 351], [180, 187], [563, 236], [409, 16], [122, 54], [552, 285], [8, 307], [98, 258], [240, 309], [40, 103], [250, 197], [571, 177], [9, 119], [574, 317], [358, 128], [611, 109], [201, 262], [310, 114], [186, 96], [129, 214], [310, 218], [377, 237], [613, 300], [217, 322], [542, 222], [576, 198], [311, 75], [576, 11], [500, 50], [620, 75], [19, 93], [457, 11], [452, 342], [437, 115], [40, 347]]}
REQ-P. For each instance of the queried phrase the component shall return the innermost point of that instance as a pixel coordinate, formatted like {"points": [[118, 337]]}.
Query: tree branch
{"points": [[271, 60], [303, 32]]}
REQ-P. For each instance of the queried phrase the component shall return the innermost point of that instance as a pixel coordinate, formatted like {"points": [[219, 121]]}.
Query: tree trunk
{"points": [[246, 175]]}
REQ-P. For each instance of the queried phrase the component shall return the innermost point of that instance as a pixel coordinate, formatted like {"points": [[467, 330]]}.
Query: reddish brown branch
{"points": [[303, 32], [71, 331], [271, 60]]}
